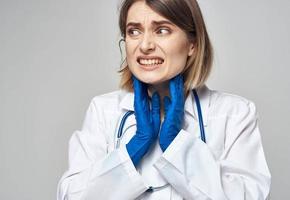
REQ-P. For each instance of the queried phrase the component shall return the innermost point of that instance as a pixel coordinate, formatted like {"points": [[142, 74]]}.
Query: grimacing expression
{"points": [[156, 49]]}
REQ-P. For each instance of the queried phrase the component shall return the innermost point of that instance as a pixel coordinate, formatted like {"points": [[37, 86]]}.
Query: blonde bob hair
{"points": [[187, 15]]}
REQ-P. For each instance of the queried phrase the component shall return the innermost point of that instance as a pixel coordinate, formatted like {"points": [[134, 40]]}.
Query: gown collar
{"points": [[204, 94]]}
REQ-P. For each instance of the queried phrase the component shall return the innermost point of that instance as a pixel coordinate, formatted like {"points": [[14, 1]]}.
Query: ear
{"points": [[191, 49]]}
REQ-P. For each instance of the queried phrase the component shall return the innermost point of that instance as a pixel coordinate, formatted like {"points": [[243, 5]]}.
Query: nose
{"points": [[147, 43]]}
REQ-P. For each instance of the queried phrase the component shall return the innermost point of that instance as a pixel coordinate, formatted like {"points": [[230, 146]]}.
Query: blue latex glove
{"points": [[148, 121], [174, 112]]}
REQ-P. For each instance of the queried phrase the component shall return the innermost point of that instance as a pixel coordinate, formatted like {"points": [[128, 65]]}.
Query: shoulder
{"points": [[231, 105], [108, 101], [113, 96]]}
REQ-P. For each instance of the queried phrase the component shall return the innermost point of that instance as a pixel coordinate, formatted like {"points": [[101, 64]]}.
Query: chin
{"points": [[153, 77], [152, 80], [149, 80]]}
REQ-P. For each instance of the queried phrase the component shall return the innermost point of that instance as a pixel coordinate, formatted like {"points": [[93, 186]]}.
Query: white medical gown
{"points": [[231, 165]]}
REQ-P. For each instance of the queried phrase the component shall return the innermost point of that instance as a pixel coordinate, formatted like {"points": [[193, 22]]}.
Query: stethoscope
{"points": [[201, 128]]}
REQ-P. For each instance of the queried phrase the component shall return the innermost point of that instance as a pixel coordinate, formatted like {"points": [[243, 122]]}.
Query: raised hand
{"points": [[174, 112], [148, 121]]}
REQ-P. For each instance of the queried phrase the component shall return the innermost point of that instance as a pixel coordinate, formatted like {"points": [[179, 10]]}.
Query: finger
{"points": [[180, 89], [141, 101], [166, 102], [136, 87], [176, 86], [155, 112], [140, 88], [172, 87]]}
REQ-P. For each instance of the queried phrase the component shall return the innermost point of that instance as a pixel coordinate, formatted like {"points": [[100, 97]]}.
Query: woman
{"points": [[160, 154]]}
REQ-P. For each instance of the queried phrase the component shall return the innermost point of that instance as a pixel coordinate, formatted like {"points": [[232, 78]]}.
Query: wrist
{"points": [[145, 137]]}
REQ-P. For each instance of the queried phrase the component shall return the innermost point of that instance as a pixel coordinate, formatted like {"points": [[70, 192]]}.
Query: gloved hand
{"points": [[174, 112], [148, 121]]}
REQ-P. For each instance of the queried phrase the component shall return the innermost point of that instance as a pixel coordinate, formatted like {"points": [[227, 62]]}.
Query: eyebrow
{"points": [[155, 23]]}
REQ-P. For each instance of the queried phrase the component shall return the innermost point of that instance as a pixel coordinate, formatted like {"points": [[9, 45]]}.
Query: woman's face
{"points": [[156, 49]]}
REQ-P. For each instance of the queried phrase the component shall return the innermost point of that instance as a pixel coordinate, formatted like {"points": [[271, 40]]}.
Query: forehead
{"points": [[140, 12]]}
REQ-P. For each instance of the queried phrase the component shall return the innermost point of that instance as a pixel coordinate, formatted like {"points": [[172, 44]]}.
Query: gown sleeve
{"points": [[240, 173], [93, 173]]}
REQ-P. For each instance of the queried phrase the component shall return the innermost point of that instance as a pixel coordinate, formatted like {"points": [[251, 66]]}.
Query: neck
{"points": [[163, 90]]}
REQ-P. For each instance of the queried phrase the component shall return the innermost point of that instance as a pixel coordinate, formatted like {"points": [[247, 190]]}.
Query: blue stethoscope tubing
{"points": [[200, 120]]}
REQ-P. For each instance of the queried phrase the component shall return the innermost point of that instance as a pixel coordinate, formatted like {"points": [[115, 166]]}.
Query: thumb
{"points": [[167, 102]]}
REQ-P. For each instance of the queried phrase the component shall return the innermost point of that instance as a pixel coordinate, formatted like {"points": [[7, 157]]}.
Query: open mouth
{"points": [[150, 62]]}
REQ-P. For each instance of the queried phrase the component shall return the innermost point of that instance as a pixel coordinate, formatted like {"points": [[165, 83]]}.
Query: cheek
{"points": [[130, 47], [128, 50], [177, 56]]}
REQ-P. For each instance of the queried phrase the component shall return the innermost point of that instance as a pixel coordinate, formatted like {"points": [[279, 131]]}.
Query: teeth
{"points": [[150, 61]]}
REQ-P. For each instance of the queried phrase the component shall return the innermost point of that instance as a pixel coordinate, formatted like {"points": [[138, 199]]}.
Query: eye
{"points": [[163, 30], [133, 32]]}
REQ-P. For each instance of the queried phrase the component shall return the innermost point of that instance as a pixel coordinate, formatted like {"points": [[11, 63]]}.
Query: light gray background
{"points": [[55, 56]]}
